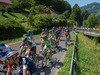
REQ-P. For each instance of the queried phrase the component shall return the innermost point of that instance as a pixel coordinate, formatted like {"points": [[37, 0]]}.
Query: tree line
{"points": [[37, 20]]}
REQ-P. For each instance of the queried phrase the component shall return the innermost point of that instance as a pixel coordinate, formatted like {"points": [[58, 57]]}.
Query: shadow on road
{"points": [[59, 64], [47, 69], [38, 43], [56, 64], [62, 49]]}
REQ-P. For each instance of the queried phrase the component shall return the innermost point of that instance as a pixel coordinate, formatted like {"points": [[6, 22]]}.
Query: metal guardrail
{"points": [[73, 61], [95, 30], [89, 31]]}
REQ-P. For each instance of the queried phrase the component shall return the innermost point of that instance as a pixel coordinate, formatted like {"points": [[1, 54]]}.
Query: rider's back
{"points": [[27, 62]]}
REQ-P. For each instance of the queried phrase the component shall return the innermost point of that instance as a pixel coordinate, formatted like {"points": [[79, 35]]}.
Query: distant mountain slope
{"points": [[92, 7]]}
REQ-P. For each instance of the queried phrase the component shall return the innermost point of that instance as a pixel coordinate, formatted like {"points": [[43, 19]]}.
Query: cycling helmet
{"points": [[30, 32], [12, 53], [2, 46]]}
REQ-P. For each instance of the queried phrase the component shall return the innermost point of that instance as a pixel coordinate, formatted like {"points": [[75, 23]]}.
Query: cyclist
{"points": [[53, 29], [24, 63], [30, 34], [46, 46], [66, 37], [42, 33], [68, 34], [46, 31], [4, 49], [52, 37], [31, 47], [57, 35]]}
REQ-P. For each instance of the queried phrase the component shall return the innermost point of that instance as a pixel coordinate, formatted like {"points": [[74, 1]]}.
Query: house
{"points": [[5, 2]]}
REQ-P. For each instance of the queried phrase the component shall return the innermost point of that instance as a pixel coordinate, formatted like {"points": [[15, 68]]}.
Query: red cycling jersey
{"points": [[9, 66]]}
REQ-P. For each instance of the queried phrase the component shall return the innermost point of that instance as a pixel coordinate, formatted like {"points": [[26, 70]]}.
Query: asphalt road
{"points": [[59, 54]]}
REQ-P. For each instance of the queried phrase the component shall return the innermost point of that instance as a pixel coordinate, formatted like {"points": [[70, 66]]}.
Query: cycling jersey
{"points": [[4, 49], [31, 41], [46, 42], [30, 44], [9, 66], [33, 44], [27, 63], [66, 33], [57, 31]]}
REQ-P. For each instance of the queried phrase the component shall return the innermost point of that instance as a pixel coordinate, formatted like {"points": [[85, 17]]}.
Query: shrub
{"points": [[28, 27], [42, 21], [9, 9], [10, 29]]}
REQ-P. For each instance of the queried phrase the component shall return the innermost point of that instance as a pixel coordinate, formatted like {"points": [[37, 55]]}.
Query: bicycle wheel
{"points": [[53, 62], [43, 60]]}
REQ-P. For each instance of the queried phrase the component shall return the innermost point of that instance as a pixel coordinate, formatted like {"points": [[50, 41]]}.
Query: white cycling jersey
{"points": [[33, 44]]}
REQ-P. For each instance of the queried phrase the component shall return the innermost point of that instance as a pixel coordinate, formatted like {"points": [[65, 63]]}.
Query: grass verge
{"points": [[64, 70], [89, 56]]}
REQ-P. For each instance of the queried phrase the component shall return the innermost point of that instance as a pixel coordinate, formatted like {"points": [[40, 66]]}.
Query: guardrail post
{"points": [[75, 64]]}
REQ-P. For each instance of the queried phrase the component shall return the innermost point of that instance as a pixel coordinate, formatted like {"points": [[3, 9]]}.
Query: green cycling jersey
{"points": [[46, 42]]}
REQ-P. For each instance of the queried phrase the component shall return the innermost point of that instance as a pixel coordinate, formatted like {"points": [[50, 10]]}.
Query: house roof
{"points": [[6, 1]]}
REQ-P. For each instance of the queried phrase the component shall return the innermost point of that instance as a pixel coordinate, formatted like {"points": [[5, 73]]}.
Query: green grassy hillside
{"points": [[16, 16], [92, 7], [89, 56]]}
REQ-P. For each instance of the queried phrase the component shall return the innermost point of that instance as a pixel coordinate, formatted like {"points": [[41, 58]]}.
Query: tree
{"points": [[92, 21], [41, 21], [21, 4], [58, 5], [16, 4], [85, 15], [61, 6], [25, 4], [66, 14], [76, 14]]}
